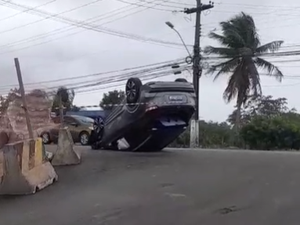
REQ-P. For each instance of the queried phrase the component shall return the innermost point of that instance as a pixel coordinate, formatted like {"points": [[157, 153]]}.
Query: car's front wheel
{"points": [[84, 138], [46, 138]]}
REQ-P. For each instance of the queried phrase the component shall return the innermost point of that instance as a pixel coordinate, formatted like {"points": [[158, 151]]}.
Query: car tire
{"points": [[98, 130], [133, 90], [181, 80], [46, 138], [84, 138]]}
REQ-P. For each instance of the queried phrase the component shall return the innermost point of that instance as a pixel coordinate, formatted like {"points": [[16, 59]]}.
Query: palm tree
{"points": [[242, 51]]}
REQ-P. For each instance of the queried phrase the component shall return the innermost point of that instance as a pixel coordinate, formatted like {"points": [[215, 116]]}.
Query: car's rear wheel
{"points": [[97, 133], [133, 90], [46, 138], [181, 80], [84, 138]]}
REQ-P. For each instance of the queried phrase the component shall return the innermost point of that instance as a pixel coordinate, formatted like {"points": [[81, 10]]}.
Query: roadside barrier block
{"points": [[65, 154], [24, 169]]}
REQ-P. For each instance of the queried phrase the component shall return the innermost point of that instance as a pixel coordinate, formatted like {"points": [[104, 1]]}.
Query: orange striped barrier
{"points": [[65, 154], [24, 168]]}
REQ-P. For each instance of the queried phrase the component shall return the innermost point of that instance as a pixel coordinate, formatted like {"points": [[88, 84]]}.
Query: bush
{"points": [[268, 133]]}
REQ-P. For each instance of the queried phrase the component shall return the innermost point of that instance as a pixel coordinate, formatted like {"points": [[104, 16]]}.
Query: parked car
{"points": [[150, 117], [80, 128]]}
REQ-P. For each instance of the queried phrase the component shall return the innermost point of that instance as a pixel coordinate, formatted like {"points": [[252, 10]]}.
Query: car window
{"points": [[69, 120], [84, 120]]}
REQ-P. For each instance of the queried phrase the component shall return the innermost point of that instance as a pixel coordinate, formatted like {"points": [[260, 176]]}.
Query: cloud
{"points": [[79, 51]]}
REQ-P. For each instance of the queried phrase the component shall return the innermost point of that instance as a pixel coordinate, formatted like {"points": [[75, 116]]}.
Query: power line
{"points": [[62, 30], [83, 24], [127, 76], [137, 69], [287, 6], [21, 12], [136, 4], [32, 10], [286, 53], [161, 4]]}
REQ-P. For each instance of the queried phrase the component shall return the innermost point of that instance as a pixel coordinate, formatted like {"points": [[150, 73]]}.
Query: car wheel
{"points": [[133, 89], [97, 132], [46, 138], [181, 80], [84, 138]]}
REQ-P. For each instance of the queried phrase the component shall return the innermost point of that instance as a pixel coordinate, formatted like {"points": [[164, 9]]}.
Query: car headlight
{"points": [[91, 128]]}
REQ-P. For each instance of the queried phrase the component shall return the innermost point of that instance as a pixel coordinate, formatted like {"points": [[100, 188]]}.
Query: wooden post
{"points": [[21, 85]]}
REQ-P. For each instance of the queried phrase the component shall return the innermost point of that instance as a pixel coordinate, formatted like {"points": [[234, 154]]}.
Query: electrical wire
{"points": [[160, 4], [26, 10], [32, 10], [61, 30], [152, 7], [124, 76], [134, 70], [85, 25], [275, 54]]}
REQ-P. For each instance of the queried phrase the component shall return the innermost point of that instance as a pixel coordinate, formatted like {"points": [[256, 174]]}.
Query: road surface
{"points": [[181, 187]]}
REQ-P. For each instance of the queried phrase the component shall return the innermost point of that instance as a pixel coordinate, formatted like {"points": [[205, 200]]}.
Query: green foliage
{"points": [[269, 133], [212, 135], [5, 100], [265, 106], [66, 96], [111, 98]]}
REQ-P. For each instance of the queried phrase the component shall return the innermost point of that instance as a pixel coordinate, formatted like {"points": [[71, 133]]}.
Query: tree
{"points": [[242, 51], [212, 135], [5, 100], [270, 133], [66, 96], [112, 98], [265, 106]]}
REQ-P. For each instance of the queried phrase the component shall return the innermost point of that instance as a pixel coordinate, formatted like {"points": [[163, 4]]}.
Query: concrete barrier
{"points": [[65, 154], [24, 168]]}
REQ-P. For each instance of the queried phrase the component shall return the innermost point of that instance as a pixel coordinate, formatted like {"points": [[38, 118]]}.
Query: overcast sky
{"points": [[79, 52]]}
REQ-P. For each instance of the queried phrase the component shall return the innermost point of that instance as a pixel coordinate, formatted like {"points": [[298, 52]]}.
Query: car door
{"points": [[72, 125]]}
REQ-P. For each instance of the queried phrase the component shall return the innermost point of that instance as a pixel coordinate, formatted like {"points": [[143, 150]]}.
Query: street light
{"points": [[169, 24]]}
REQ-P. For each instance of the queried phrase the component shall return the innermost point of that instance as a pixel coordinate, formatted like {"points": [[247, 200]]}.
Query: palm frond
{"points": [[238, 85], [245, 26], [224, 67], [232, 34], [272, 70], [229, 52], [221, 39], [269, 47], [253, 75], [231, 90]]}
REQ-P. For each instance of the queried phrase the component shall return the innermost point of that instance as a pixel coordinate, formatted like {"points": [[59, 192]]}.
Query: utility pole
{"points": [[197, 69]]}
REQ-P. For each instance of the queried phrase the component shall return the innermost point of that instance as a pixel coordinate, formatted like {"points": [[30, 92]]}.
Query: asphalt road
{"points": [[179, 187]]}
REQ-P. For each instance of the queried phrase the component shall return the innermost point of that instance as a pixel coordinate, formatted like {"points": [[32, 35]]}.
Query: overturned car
{"points": [[151, 116]]}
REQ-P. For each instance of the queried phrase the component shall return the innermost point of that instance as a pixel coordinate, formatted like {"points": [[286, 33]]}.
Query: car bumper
{"points": [[180, 112]]}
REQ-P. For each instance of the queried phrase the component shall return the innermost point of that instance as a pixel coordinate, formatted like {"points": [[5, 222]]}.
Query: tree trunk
{"points": [[238, 117]]}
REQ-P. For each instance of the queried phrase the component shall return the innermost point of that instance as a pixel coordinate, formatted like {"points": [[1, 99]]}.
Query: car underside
{"points": [[151, 117]]}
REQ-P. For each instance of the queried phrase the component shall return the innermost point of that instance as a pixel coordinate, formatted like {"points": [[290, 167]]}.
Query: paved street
{"points": [[179, 187]]}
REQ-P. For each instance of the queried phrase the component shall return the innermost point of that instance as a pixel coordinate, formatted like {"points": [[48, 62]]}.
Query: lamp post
{"points": [[169, 24]]}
